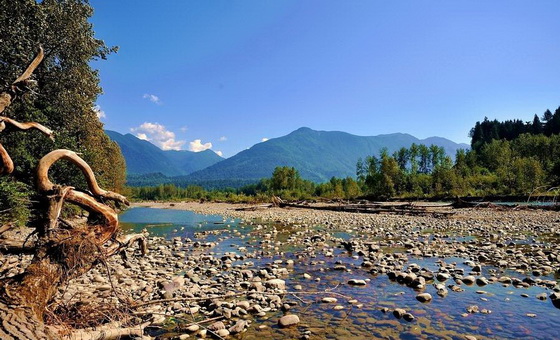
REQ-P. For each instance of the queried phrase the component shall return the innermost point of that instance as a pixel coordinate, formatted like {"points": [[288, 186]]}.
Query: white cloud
{"points": [[158, 135], [184, 129], [223, 139], [152, 97], [219, 153], [264, 139], [142, 136], [197, 146], [98, 112]]}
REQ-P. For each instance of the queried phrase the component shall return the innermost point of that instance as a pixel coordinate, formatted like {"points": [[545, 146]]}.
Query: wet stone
{"points": [[424, 297], [356, 282], [399, 313], [408, 317]]}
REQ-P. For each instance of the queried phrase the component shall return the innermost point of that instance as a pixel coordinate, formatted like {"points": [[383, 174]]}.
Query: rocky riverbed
{"points": [[304, 274]]}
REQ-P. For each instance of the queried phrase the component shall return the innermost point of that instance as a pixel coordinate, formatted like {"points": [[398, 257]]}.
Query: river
{"points": [[507, 312]]}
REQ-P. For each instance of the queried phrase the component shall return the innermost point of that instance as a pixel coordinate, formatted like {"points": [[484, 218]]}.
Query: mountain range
{"points": [[317, 155], [143, 157]]}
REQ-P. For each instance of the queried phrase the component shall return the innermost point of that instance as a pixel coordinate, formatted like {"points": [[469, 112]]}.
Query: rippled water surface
{"points": [[509, 314]]}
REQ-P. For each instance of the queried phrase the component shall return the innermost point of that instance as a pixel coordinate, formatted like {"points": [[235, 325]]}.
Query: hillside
{"points": [[318, 155], [142, 157]]}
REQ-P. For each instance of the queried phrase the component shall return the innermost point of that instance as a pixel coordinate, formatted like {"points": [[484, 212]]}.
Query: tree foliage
{"points": [[66, 91], [67, 86], [487, 130], [498, 167]]}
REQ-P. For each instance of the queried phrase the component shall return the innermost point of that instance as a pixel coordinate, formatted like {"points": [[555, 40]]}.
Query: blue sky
{"points": [[230, 73]]}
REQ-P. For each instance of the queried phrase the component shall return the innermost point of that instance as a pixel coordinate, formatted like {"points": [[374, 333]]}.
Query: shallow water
{"points": [[442, 318]]}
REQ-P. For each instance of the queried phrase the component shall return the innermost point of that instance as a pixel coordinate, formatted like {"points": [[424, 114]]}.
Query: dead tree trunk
{"points": [[61, 252]]}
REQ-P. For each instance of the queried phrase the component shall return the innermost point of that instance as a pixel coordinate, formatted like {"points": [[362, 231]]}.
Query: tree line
{"points": [[487, 130], [285, 182], [518, 165], [498, 168]]}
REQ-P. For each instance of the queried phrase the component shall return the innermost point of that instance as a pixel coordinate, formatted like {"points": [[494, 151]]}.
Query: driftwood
{"points": [[255, 207], [378, 208], [460, 203], [61, 251]]}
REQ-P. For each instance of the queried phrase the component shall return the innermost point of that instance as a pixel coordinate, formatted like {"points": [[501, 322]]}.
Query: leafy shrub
{"points": [[14, 202]]}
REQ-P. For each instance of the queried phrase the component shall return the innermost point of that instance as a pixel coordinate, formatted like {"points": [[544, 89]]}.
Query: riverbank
{"points": [[296, 273]]}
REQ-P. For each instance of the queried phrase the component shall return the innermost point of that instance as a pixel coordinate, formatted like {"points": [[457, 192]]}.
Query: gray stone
{"points": [[424, 297], [288, 320], [356, 282], [276, 284], [239, 327]]}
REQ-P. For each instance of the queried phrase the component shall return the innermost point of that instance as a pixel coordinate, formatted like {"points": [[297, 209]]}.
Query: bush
{"points": [[14, 202]]}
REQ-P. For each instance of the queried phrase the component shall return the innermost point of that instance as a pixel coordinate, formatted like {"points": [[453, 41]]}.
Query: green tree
{"points": [[67, 88], [389, 179], [424, 163], [413, 153], [437, 156], [528, 175], [496, 154], [351, 188], [536, 127], [284, 178], [402, 156], [444, 178]]}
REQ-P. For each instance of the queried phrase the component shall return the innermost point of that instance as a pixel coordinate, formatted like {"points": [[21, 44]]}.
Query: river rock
{"points": [[442, 276], [468, 280], [541, 296], [481, 281], [276, 284], [408, 317], [472, 309], [216, 326], [222, 333], [239, 327], [399, 312], [288, 320], [192, 328], [356, 282], [244, 304], [424, 297]]}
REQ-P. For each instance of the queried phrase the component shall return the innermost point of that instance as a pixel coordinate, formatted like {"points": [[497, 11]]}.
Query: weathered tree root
{"points": [[45, 185], [60, 252], [25, 126], [20, 85], [108, 334], [6, 163]]}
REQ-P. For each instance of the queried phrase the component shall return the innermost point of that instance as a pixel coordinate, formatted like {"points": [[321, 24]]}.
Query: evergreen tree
{"points": [[536, 126]]}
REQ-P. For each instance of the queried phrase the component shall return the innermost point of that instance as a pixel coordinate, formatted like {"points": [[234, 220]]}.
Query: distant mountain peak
{"points": [[143, 157], [318, 155]]}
